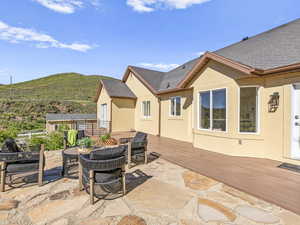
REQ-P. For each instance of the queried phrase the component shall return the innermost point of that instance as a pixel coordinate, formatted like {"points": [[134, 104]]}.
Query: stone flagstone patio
{"points": [[160, 193]]}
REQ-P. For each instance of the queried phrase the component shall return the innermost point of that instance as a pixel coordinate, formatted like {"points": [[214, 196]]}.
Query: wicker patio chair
{"points": [[104, 169], [13, 163], [136, 146]]}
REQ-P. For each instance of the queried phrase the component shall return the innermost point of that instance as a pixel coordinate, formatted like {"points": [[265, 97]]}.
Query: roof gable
{"points": [[114, 88]]}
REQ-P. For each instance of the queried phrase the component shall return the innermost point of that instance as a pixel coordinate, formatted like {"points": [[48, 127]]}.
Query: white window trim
{"points": [[142, 109], [211, 111], [257, 109], [170, 108]]}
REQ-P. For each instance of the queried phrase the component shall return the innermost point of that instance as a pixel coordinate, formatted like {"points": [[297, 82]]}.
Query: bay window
{"points": [[248, 120], [213, 110]]}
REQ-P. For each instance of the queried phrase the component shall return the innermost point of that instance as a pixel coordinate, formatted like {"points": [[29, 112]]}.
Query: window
{"points": [[248, 109], [212, 110], [175, 106], [146, 108]]}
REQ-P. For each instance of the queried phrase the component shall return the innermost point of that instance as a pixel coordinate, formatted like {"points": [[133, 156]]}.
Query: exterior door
{"points": [[103, 116], [295, 142]]}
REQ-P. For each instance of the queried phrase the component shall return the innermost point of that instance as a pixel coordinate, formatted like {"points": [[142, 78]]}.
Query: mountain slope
{"points": [[65, 86], [23, 106]]}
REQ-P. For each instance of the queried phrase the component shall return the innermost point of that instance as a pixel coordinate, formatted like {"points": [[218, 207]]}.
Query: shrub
{"points": [[55, 141], [85, 142], [63, 127], [8, 133], [36, 142], [105, 137]]}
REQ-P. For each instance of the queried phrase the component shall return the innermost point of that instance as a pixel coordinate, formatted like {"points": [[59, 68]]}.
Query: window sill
{"points": [[146, 119], [175, 118]]}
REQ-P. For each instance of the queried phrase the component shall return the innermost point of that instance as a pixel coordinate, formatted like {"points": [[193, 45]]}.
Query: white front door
{"points": [[295, 142], [103, 116]]}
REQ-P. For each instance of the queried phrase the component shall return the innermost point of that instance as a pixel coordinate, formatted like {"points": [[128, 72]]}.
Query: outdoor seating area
{"points": [[120, 184], [100, 170]]}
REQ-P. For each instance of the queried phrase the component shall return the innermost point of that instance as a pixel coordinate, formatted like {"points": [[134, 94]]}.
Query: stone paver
{"points": [[97, 221], [289, 218], [159, 193], [196, 181], [257, 215], [8, 204], [132, 220], [213, 211], [116, 208], [52, 210]]}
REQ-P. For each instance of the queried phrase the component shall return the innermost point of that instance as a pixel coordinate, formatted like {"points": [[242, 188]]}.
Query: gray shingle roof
{"points": [[173, 77], [68, 117], [153, 77], [117, 88], [161, 81], [274, 48]]}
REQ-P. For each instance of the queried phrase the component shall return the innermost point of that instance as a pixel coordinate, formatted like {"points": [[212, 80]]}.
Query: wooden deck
{"points": [[258, 177]]}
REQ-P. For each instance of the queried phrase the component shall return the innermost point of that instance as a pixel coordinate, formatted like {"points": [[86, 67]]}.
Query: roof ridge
{"points": [[259, 34], [146, 69], [184, 64]]}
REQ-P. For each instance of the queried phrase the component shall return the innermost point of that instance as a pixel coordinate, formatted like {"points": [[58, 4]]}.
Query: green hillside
{"points": [[65, 86], [23, 106]]}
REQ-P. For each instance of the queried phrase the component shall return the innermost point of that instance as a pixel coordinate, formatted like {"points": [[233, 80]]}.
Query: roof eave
{"points": [[98, 91], [173, 90]]}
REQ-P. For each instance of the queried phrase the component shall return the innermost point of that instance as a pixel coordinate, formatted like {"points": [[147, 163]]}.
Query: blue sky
{"points": [[42, 37]]}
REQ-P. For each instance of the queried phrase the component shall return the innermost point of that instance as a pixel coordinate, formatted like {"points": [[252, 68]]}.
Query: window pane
{"points": [[178, 106], [248, 109], [204, 110], [172, 106], [219, 110], [148, 108]]}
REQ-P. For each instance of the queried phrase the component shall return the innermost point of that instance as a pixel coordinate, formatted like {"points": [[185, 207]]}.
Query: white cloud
{"points": [[67, 6], [62, 6], [199, 53], [40, 40], [151, 5], [159, 66]]}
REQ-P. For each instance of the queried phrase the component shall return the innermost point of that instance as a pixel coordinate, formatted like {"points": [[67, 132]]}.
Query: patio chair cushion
{"points": [[137, 151], [140, 137], [102, 177], [107, 153], [22, 167], [139, 140]]}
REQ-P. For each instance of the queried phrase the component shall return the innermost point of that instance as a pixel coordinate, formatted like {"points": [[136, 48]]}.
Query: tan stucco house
{"points": [[241, 100]]}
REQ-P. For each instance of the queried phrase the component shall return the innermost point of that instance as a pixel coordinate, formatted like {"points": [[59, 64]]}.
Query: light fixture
{"points": [[273, 102]]}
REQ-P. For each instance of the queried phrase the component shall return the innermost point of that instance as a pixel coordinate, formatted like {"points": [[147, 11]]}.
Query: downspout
{"points": [[159, 116]]}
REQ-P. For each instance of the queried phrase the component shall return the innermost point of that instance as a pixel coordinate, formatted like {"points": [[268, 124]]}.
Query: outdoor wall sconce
{"points": [[273, 102]]}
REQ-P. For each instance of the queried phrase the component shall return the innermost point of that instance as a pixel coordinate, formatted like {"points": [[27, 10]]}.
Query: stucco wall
{"points": [[273, 139], [177, 127], [148, 125], [123, 114]]}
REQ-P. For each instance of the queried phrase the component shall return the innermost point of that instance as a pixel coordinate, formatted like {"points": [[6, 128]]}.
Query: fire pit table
{"points": [[70, 160]]}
